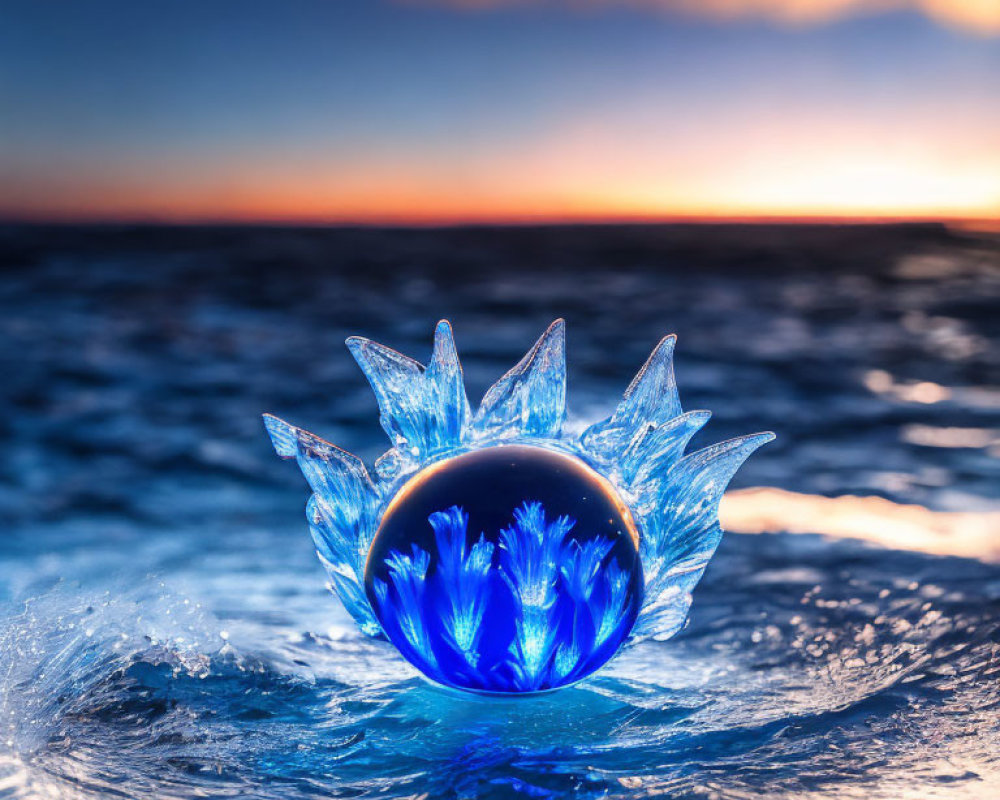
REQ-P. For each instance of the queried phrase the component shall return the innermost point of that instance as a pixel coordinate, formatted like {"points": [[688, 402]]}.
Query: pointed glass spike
{"points": [[688, 504], [392, 376], [657, 447], [446, 376], [650, 401], [530, 400], [423, 411], [681, 530], [338, 478], [341, 513]]}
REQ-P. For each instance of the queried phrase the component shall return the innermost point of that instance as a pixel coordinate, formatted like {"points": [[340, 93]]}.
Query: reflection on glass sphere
{"points": [[508, 569]]}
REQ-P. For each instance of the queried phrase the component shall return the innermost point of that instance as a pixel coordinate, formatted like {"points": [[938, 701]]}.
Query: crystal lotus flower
{"points": [[495, 551]]}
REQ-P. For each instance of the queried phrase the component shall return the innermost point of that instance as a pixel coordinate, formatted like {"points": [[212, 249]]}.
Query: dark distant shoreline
{"points": [[542, 224], [454, 252]]}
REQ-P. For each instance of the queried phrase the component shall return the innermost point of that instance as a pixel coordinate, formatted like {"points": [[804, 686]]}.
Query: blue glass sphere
{"points": [[512, 568]]}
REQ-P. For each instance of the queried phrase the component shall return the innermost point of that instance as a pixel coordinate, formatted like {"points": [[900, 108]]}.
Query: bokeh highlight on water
{"points": [[167, 632]]}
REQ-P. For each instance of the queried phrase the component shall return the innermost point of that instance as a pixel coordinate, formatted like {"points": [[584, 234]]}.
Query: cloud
{"points": [[977, 16]]}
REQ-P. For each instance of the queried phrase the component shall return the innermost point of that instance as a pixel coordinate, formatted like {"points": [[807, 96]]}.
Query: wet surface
{"points": [[168, 632]]}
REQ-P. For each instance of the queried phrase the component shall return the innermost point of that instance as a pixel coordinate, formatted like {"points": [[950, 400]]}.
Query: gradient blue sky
{"points": [[401, 111]]}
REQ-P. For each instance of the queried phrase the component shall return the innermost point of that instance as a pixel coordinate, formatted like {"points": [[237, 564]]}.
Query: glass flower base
{"points": [[498, 552]]}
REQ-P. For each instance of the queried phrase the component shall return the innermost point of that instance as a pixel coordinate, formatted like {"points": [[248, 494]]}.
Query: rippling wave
{"points": [[789, 680], [166, 633]]}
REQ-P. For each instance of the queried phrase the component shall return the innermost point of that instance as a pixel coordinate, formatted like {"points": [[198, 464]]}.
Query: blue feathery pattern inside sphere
{"points": [[570, 610], [498, 552], [499, 593]]}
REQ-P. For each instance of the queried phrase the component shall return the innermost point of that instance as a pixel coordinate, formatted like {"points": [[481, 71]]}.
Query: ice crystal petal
{"points": [[530, 400], [341, 512], [650, 401], [681, 531], [423, 410]]}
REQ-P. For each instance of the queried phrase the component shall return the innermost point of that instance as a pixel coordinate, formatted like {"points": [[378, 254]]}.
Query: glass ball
{"points": [[507, 569]]}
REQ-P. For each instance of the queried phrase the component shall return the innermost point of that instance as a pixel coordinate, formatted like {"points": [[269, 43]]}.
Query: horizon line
{"points": [[983, 223]]}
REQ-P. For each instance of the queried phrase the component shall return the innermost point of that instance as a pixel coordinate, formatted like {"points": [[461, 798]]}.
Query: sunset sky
{"points": [[499, 110]]}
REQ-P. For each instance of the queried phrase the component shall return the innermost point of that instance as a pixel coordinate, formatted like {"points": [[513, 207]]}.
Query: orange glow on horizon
{"points": [[838, 190], [590, 169], [429, 217], [431, 214], [842, 193], [589, 111]]}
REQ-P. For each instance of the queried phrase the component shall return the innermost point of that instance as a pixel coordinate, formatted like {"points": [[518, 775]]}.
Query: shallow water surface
{"points": [[167, 632]]}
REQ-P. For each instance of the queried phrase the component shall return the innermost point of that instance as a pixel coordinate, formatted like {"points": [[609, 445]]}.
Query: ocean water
{"points": [[166, 631]]}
